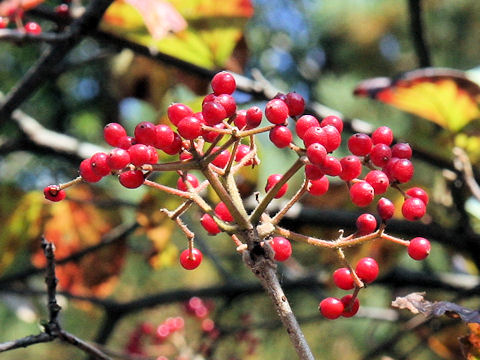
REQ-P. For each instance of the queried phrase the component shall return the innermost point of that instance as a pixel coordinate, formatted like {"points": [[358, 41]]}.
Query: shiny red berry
{"points": [[228, 103], [86, 172], [222, 159], [190, 127], [139, 154], [366, 224], [240, 120], [419, 248], [315, 135], [276, 111], [190, 178], [223, 83], [281, 136], [177, 111], [53, 193], [402, 171], [343, 279], [402, 151], [281, 247], [334, 138], [385, 209], [112, 134], [367, 269], [223, 213], [351, 167], [176, 145], [316, 153], [318, 187], [418, 193], [304, 123], [118, 158], [33, 28], [145, 133], [125, 142], [272, 181], [213, 113], [349, 308], [163, 136], [379, 181], [360, 144], [380, 154], [131, 179], [331, 308], [295, 103], [413, 209], [331, 166], [191, 259], [334, 121], [361, 193], [253, 117], [99, 164], [382, 135], [209, 224]]}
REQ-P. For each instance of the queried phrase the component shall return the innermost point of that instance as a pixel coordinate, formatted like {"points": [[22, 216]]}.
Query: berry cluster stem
{"points": [[303, 189]]}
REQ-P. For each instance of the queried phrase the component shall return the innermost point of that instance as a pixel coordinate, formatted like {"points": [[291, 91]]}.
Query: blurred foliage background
{"points": [[320, 49]]}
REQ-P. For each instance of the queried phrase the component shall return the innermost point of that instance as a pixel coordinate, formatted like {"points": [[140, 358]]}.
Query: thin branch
{"points": [[463, 164], [26, 341], [23, 36], [418, 33]]}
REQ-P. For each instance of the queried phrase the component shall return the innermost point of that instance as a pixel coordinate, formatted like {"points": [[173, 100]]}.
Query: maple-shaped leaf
{"points": [[447, 97], [158, 16]]}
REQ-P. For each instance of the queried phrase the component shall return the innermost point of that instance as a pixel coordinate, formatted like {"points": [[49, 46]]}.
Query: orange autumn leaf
{"points": [[9, 7]]}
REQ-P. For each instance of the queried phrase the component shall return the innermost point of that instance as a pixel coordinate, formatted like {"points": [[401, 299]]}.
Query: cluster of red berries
{"points": [[17, 13]]}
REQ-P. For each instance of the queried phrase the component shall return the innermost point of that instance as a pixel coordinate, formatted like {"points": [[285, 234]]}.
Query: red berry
{"points": [[367, 269], [112, 133], [402, 151], [413, 209], [185, 155], [242, 151], [380, 155], [163, 136], [379, 181], [253, 117], [385, 209], [316, 153], [361, 193], [181, 185], [126, 142], [366, 224], [331, 308], [222, 159], [276, 111], [176, 145], [176, 112], [131, 179], [191, 259], [62, 10], [211, 136], [272, 181], [387, 169], [139, 154], [319, 187], [213, 112], [333, 138], [209, 224], [282, 248], [419, 248], [360, 144], [228, 103], [346, 300], [33, 28], [190, 128], [351, 167], [418, 193], [304, 123], [86, 172], [343, 279], [145, 133], [402, 171], [223, 83], [313, 172], [240, 120], [223, 213], [280, 136], [382, 135], [295, 103], [315, 135], [53, 193], [99, 164], [331, 166], [118, 159], [334, 121]]}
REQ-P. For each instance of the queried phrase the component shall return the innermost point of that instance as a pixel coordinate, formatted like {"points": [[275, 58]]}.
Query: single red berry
{"points": [[382, 135], [131, 179], [177, 111], [209, 224], [145, 133], [418, 193], [388, 168], [280, 136], [334, 138], [176, 145], [211, 136], [181, 185], [153, 155], [366, 224], [304, 123], [253, 117], [163, 136], [360, 144], [228, 103], [240, 120], [316, 153], [208, 325], [315, 135], [351, 167], [53, 193], [3, 22], [318, 187], [379, 181], [385, 209], [313, 172], [223, 83], [208, 98], [295, 103], [190, 127], [62, 10], [352, 308], [419, 248], [276, 111], [99, 164], [334, 121], [367, 269], [402, 171], [380, 155], [402, 151], [125, 142], [222, 159], [343, 279], [118, 158], [112, 133], [86, 172], [139, 154], [331, 166], [191, 259], [185, 155], [213, 112], [272, 181], [281, 247], [331, 308], [162, 333], [242, 151], [413, 209], [223, 213], [361, 193], [33, 28]]}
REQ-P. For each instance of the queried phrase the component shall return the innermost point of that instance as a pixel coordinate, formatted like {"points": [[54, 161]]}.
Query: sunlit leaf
{"points": [[470, 344]]}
